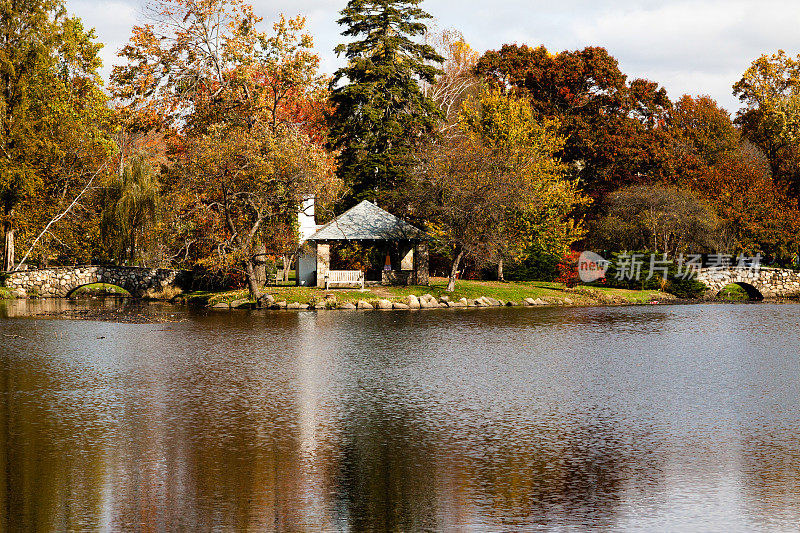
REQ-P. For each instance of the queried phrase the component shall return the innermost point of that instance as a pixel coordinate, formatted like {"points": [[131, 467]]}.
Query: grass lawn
{"points": [[99, 289], [554, 293]]}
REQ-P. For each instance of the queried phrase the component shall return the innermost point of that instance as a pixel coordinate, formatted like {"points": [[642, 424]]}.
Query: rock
{"points": [[529, 301], [568, 301], [457, 304], [399, 305], [424, 303], [320, 305], [539, 301], [471, 303], [464, 301], [242, 303], [282, 304], [426, 296], [363, 304], [384, 304], [293, 305], [445, 298], [348, 305], [492, 301], [511, 303], [221, 305], [266, 300], [443, 305], [304, 306], [412, 302]]}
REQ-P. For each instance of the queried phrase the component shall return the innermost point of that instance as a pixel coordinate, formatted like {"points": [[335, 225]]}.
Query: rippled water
{"points": [[661, 418]]}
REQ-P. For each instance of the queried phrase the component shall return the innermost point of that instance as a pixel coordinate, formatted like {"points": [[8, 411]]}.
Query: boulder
{"points": [[443, 305], [293, 305], [363, 304], [471, 303], [266, 300], [347, 305], [242, 303], [511, 303], [400, 305], [529, 301], [458, 303], [221, 305], [384, 304], [412, 302], [445, 298], [492, 301], [282, 304], [320, 305], [539, 301], [304, 306], [424, 303], [568, 301]]}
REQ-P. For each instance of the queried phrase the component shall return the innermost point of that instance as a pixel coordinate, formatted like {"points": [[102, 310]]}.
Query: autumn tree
{"points": [[613, 128], [659, 218], [509, 127], [380, 112], [238, 101], [489, 186], [770, 90], [457, 83], [756, 213], [54, 123]]}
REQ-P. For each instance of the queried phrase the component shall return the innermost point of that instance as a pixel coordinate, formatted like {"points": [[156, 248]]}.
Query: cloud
{"points": [[694, 47]]}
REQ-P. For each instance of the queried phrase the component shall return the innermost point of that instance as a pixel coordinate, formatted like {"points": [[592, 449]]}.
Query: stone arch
{"points": [[753, 292], [59, 282], [70, 291]]}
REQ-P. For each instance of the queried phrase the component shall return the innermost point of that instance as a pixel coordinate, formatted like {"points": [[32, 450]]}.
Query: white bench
{"points": [[342, 277]]}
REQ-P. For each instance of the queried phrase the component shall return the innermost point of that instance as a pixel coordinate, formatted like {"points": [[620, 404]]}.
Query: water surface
{"points": [[659, 418]]}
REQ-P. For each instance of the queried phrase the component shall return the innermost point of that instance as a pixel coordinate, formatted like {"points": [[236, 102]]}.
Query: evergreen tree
{"points": [[381, 114]]}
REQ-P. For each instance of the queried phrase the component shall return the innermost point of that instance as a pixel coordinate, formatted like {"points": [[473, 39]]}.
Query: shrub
{"points": [[568, 269]]}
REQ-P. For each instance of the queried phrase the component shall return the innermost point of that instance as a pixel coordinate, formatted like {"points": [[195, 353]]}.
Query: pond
{"points": [[650, 418]]}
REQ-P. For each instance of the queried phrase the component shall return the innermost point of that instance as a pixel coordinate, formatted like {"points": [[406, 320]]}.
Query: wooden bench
{"points": [[344, 277]]}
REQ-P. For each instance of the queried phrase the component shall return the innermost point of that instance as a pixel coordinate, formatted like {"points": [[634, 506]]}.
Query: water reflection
{"points": [[498, 420]]}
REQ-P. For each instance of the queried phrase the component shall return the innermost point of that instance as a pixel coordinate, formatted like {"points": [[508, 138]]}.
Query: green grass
{"points": [[5, 294], [99, 289], [733, 293], [554, 293]]}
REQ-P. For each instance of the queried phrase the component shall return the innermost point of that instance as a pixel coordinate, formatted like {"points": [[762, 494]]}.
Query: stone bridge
{"points": [[60, 282], [759, 284]]}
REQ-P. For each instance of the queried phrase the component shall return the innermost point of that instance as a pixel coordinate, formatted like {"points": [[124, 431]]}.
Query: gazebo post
{"points": [[323, 262], [421, 272]]}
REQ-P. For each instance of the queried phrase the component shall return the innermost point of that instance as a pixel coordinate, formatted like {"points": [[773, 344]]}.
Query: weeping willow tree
{"points": [[131, 207]]}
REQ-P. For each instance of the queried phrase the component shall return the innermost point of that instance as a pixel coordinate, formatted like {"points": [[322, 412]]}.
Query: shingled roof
{"points": [[367, 222]]}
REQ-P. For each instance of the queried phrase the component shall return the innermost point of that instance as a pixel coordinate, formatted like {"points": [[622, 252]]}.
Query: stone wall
{"points": [[768, 282], [59, 282]]}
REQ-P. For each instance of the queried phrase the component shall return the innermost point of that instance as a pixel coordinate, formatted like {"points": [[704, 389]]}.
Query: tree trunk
{"points": [[451, 284], [133, 245], [8, 255], [500, 276], [252, 282], [287, 264]]}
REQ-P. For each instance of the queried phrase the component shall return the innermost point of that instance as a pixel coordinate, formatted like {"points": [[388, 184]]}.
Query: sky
{"points": [[697, 47]]}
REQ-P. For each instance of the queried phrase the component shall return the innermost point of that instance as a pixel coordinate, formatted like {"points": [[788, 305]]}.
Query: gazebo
{"points": [[369, 225]]}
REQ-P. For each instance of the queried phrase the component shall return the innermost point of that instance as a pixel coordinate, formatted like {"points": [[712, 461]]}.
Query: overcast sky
{"points": [[695, 47]]}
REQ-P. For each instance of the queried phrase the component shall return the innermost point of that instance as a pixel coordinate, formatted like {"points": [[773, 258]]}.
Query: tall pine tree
{"points": [[381, 113]]}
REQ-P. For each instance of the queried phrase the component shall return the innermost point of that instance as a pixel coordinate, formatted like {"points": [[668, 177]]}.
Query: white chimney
{"points": [[305, 218]]}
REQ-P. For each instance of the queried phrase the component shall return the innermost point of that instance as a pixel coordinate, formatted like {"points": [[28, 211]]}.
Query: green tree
{"points": [[53, 114], [381, 114], [132, 204], [527, 144]]}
